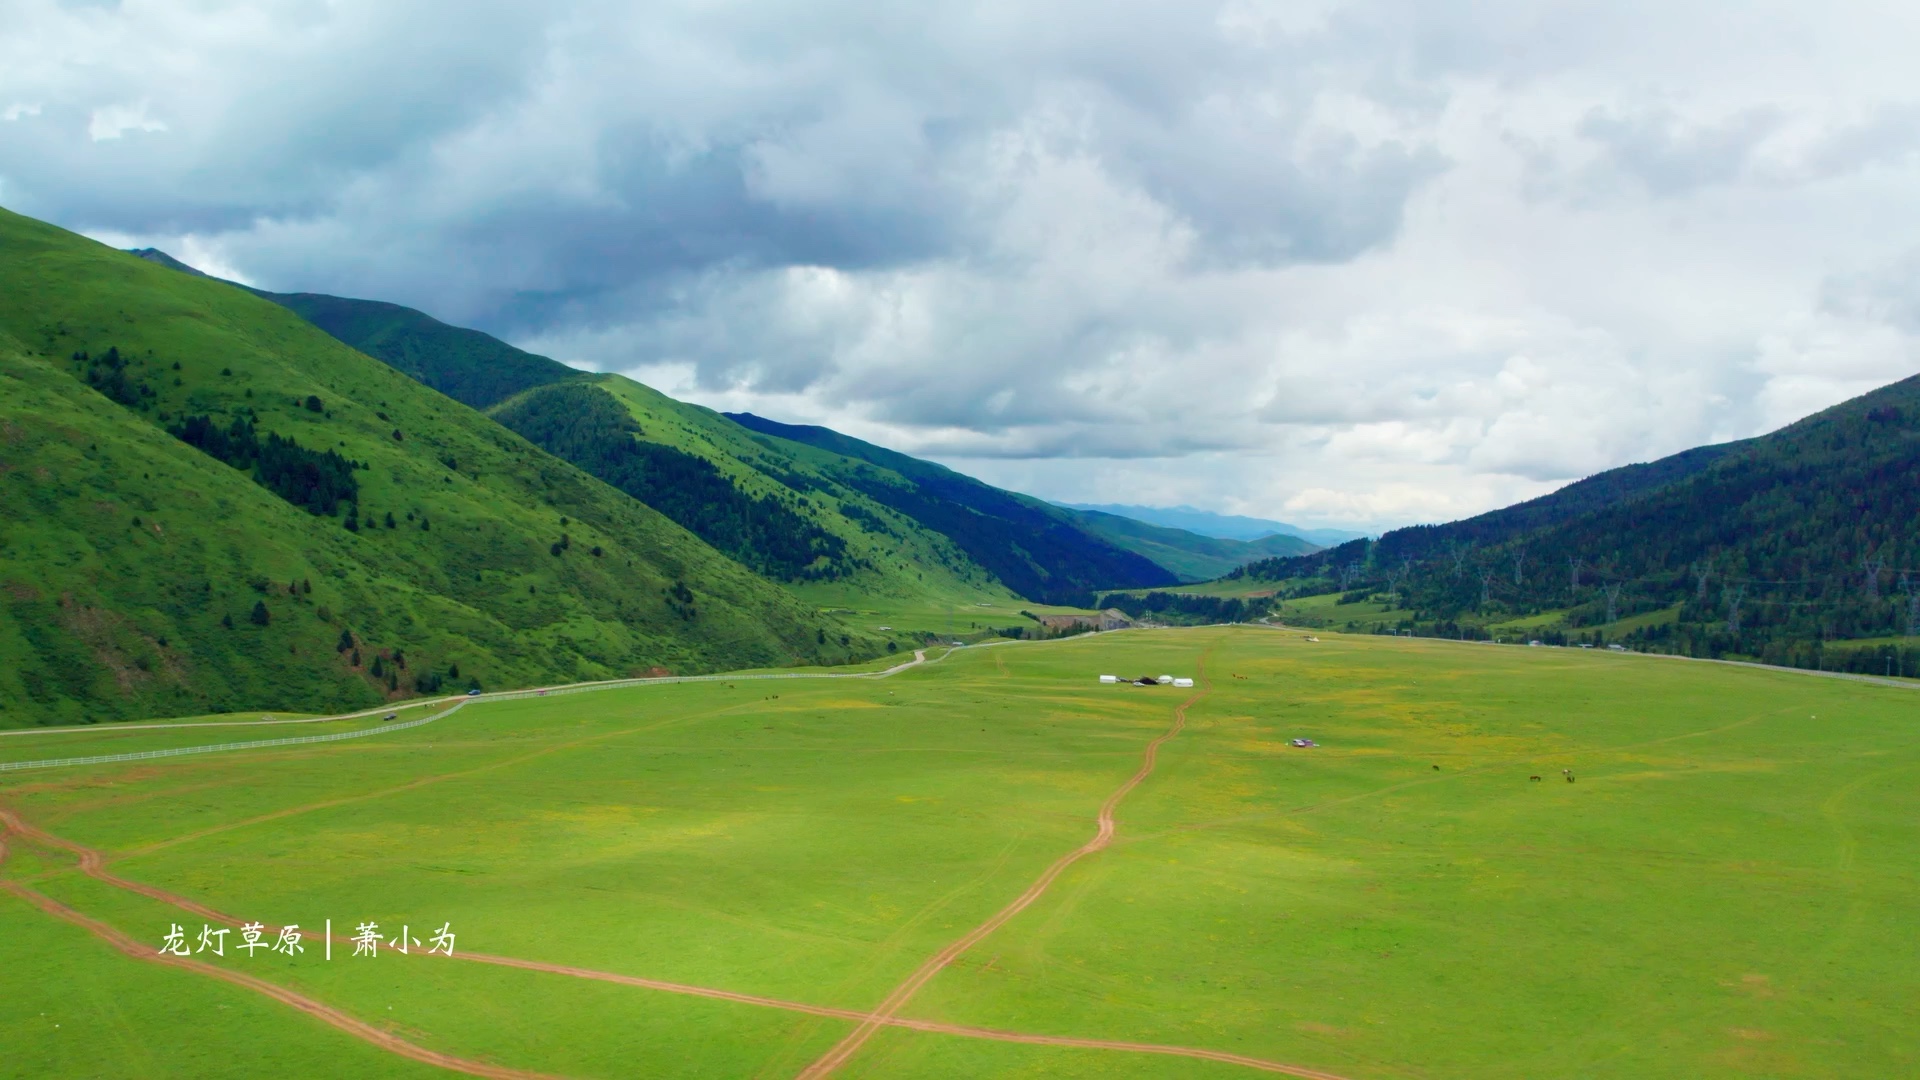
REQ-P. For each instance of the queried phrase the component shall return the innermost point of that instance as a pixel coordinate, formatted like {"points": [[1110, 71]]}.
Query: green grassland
{"points": [[134, 568], [1728, 890]]}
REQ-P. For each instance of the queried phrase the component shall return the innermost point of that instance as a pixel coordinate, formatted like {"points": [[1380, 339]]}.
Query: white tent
{"points": [[1110, 678], [1183, 682], [1165, 680]]}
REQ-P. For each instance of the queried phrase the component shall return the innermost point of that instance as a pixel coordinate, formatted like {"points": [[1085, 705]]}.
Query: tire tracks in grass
{"points": [[893, 941], [91, 864], [343, 800], [1846, 853], [1102, 838], [324, 1013], [919, 658]]}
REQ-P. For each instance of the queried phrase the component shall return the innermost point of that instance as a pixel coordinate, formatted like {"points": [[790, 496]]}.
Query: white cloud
{"points": [[112, 121], [1350, 262], [19, 110]]}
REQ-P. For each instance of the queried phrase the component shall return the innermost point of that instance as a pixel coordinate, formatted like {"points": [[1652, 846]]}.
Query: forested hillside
{"points": [[772, 504], [211, 505], [1774, 547], [751, 500], [1030, 545], [1189, 555]]}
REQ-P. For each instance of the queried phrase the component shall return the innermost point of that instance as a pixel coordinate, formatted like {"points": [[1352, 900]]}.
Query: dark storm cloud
{"points": [[744, 137]]}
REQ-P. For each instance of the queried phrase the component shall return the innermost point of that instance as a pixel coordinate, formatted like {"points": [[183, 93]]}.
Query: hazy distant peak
{"points": [[1219, 526]]}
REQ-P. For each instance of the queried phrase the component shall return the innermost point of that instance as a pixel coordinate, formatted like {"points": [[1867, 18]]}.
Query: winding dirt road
{"points": [[327, 1014], [92, 863], [1103, 836]]}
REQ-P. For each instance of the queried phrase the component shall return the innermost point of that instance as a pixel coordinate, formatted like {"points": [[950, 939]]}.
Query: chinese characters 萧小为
{"points": [[366, 940]]}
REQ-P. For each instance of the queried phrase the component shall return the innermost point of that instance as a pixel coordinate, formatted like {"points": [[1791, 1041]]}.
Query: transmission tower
{"points": [[1460, 552], [1873, 564], [1574, 566], [1613, 602], [1734, 598], [1520, 566]]}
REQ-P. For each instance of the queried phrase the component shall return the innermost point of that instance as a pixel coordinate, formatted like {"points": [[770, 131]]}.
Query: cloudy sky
{"points": [[1361, 263]]}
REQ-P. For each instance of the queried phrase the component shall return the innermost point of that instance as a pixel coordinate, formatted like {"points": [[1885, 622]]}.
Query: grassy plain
{"points": [[1728, 889]]}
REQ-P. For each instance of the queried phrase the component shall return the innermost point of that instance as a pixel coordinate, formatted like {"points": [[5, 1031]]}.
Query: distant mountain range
{"points": [[1220, 526]]}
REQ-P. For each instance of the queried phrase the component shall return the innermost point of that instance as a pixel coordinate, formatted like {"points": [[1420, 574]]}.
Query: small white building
{"points": [[1183, 682], [1165, 680], [1109, 678]]}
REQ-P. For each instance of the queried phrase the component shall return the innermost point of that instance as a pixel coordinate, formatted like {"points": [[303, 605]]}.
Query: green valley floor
{"points": [[1495, 863]]}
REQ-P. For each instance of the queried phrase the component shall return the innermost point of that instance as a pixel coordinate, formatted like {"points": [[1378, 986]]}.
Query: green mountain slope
{"points": [[466, 365], [1767, 548], [140, 575], [1031, 546], [945, 527], [776, 508], [1189, 555]]}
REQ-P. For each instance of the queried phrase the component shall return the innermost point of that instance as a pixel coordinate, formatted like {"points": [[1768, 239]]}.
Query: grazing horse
{"points": [[1569, 775], [1533, 778]]}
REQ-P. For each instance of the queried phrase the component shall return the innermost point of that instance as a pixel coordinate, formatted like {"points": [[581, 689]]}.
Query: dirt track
{"points": [[1102, 837], [93, 864], [324, 1013]]}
